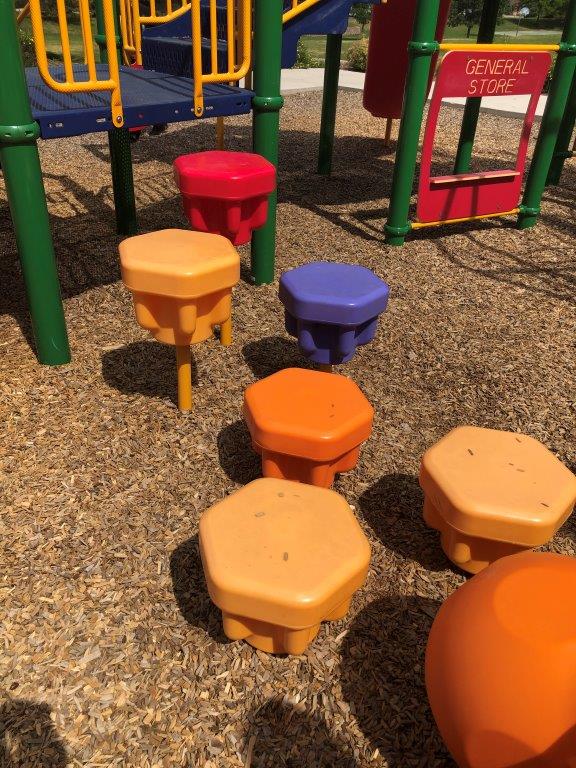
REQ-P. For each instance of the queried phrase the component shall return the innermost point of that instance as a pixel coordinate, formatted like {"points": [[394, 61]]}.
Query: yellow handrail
{"points": [[485, 47], [239, 64], [70, 84], [298, 7]]}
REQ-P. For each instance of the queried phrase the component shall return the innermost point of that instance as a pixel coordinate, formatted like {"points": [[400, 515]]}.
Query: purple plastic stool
{"points": [[332, 308]]}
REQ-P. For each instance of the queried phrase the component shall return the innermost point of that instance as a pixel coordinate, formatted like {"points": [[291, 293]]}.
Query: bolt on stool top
{"points": [[332, 308], [307, 425], [280, 558], [225, 192], [501, 665], [492, 493]]}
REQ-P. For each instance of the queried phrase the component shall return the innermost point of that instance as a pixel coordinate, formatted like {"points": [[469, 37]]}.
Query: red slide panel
{"points": [[390, 33]]}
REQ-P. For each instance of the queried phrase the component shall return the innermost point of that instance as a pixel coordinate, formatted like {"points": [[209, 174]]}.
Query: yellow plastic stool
{"points": [[492, 494], [280, 558], [181, 283]]}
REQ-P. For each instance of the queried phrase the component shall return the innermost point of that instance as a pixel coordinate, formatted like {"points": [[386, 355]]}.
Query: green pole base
{"points": [[527, 217], [396, 235]]}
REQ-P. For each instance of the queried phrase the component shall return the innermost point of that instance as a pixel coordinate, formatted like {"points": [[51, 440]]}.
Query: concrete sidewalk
{"points": [[298, 80]]}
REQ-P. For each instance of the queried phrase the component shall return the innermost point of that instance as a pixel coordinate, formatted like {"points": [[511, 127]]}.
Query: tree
{"points": [[361, 12], [469, 12]]}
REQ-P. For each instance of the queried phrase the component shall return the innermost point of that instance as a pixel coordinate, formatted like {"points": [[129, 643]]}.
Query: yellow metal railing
{"points": [[70, 84], [239, 46], [298, 7]]}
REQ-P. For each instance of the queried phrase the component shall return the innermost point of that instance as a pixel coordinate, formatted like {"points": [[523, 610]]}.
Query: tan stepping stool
{"points": [[492, 494], [280, 558], [181, 283]]}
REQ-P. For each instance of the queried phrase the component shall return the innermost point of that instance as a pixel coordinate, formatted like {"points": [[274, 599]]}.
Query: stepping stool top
{"points": [[282, 552], [179, 263], [310, 414], [224, 175], [340, 294], [499, 485]]}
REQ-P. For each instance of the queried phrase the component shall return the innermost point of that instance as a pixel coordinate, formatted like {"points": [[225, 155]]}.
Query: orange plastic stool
{"points": [[501, 665], [307, 425], [182, 287], [493, 493], [279, 559]]}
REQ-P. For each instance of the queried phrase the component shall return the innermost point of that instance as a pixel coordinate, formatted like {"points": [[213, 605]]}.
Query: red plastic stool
{"points": [[225, 193]]}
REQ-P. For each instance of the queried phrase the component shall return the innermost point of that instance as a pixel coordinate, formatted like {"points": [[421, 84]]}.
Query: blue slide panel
{"points": [[148, 98]]}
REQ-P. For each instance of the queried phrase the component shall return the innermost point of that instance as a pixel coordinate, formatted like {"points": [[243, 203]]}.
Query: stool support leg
{"points": [[220, 133], [327, 368], [226, 332], [184, 364]]}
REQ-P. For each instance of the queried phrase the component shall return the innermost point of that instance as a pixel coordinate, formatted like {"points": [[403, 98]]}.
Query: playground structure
{"points": [[472, 71], [70, 99], [187, 62]]}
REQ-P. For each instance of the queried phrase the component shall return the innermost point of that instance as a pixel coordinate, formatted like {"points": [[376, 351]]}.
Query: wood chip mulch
{"points": [[111, 652]]}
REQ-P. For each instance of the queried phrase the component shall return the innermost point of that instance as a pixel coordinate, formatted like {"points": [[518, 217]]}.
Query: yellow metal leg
{"points": [[220, 133], [325, 368], [184, 363], [226, 332], [388, 136]]}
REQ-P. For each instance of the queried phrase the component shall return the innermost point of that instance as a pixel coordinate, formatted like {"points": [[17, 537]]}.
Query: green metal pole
{"points": [[23, 176], [329, 103], [119, 144], [562, 150], [551, 120], [421, 48], [266, 105], [486, 31]]}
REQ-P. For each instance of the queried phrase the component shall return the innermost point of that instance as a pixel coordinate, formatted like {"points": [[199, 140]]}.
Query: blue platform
{"points": [[148, 98]]}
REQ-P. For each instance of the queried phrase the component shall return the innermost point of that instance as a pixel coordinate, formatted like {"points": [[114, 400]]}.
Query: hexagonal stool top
{"points": [[307, 425], [179, 264], [493, 493], [280, 558], [501, 663], [332, 308], [225, 192]]}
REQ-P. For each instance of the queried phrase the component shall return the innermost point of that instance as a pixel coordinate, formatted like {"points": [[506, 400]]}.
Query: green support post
{"points": [[562, 150], [119, 143], [266, 106], [551, 121], [486, 31], [329, 103], [421, 48], [20, 164]]}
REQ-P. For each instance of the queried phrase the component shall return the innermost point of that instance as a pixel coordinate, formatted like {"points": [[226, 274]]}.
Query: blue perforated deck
{"points": [[148, 98]]}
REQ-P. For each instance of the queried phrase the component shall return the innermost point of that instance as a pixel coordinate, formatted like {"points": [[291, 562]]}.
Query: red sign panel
{"points": [[478, 74]]}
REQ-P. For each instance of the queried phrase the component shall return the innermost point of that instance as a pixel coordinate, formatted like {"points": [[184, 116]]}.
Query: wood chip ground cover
{"points": [[111, 652]]}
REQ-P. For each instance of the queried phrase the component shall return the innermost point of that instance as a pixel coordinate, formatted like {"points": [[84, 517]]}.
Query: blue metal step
{"points": [[173, 55], [148, 97]]}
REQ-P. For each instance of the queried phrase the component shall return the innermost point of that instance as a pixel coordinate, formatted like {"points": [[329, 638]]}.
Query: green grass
{"points": [[52, 37], [316, 43]]}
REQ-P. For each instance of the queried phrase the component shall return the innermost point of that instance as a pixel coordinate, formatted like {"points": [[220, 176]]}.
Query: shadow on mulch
{"points": [[281, 736], [189, 587], [382, 677], [392, 507], [144, 368], [273, 353], [237, 457], [27, 732]]}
